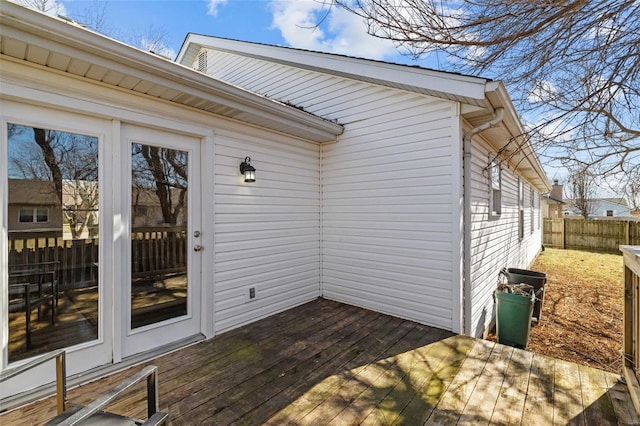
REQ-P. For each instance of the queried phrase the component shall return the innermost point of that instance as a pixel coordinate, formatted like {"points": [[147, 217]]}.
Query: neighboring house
{"points": [[146, 210], [601, 208], [33, 206], [553, 203], [378, 185]]}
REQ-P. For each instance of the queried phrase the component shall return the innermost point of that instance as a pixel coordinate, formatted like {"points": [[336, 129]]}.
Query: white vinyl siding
{"points": [[495, 242], [387, 210], [266, 232], [390, 188]]}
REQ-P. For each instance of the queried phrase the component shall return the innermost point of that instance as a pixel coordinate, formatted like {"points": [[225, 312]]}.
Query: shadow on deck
{"points": [[329, 363]]}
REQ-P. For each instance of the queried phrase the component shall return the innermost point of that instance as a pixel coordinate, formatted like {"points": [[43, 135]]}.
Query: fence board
{"points": [[580, 234], [155, 250]]}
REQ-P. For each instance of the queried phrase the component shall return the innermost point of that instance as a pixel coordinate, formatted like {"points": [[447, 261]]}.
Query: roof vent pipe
{"points": [[466, 226]]}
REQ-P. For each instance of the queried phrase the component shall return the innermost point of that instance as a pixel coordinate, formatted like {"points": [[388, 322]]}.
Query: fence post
{"points": [[564, 242]]}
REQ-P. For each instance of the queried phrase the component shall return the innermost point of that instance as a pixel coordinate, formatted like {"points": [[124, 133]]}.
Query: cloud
{"points": [[313, 25], [543, 91], [213, 6]]}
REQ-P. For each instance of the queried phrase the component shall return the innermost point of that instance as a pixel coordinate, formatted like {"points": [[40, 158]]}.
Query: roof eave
{"points": [[498, 97], [35, 27], [451, 86]]}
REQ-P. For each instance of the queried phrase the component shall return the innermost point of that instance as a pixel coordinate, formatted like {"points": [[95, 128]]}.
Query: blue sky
{"points": [[280, 22]]}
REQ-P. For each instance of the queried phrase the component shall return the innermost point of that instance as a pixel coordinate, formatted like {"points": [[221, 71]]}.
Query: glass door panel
{"points": [[53, 228], [159, 223], [161, 289]]}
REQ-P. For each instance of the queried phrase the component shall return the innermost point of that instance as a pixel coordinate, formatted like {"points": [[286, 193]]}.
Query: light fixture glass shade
{"points": [[248, 170], [250, 175]]}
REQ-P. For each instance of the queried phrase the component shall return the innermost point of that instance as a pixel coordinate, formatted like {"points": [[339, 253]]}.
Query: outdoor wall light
{"points": [[248, 170]]}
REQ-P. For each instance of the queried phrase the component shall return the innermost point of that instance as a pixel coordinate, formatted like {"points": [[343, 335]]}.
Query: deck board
{"points": [[567, 394], [452, 404], [511, 398], [538, 407], [329, 363]]}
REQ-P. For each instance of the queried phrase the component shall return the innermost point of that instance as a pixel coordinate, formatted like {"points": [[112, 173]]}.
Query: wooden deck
{"points": [[329, 363]]}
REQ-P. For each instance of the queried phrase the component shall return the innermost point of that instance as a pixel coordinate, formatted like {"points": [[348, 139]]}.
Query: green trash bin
{"points": [[513, 322]]}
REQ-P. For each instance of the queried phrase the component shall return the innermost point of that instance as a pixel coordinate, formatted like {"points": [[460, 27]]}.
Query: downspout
{"points": [[466, 226]]}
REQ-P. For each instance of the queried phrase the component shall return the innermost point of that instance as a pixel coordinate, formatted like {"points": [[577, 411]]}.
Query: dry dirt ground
{"points": [[582, 315]]}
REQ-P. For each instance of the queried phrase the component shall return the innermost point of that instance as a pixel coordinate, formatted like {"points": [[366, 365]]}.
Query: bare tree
{"points": [[581, 188], [95, 16], [52, 7], [631, 190], [69, 161], [572, 67], [162, 171]]}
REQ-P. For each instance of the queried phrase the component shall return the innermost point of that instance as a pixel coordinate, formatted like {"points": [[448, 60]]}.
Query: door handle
{"points": [[197, 247]]}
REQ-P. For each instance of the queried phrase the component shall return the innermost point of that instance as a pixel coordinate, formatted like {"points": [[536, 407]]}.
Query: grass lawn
{"points": [[582, 314]]}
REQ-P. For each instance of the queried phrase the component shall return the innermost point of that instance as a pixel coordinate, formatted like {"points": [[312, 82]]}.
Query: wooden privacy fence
{"points": [[580, 234], [76, 259], [158, 250], [154, 251]]}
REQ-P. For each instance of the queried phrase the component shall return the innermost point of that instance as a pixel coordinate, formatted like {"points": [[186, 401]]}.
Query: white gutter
{"points": [[466, 225]]}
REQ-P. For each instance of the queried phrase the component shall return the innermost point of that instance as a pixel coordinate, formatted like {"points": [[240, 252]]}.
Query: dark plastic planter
{"points": [[533, 278]]}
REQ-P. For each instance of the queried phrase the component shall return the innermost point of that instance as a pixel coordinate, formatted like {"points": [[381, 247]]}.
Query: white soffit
{"points": [[34, 37]]}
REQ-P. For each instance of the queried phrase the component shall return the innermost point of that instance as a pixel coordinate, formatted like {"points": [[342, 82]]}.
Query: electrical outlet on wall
{"points": [[250, 294]]}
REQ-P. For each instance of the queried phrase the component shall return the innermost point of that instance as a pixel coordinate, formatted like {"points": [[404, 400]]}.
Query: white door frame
{"points": [[153, 336], [90, 354]]}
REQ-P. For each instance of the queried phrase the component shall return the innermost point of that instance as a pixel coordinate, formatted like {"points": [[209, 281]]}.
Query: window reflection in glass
{"points": [[158, 234], [53, 228]]}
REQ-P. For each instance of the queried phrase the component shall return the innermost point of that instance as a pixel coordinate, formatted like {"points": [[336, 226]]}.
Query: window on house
{"points": [[495, 195], [34, 215], [539, 210], [140, 210], [521, 209], [609, 212], [532, 208], [202, 61]]}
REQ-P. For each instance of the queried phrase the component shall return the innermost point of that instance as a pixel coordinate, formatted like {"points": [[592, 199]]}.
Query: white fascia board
{"points": [[498, 96], [356, 68], [33, 26]]}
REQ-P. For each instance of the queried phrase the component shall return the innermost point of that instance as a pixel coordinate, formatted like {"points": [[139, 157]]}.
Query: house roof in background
{"points": [[31, 192], [553, 201], [619, 201]]}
